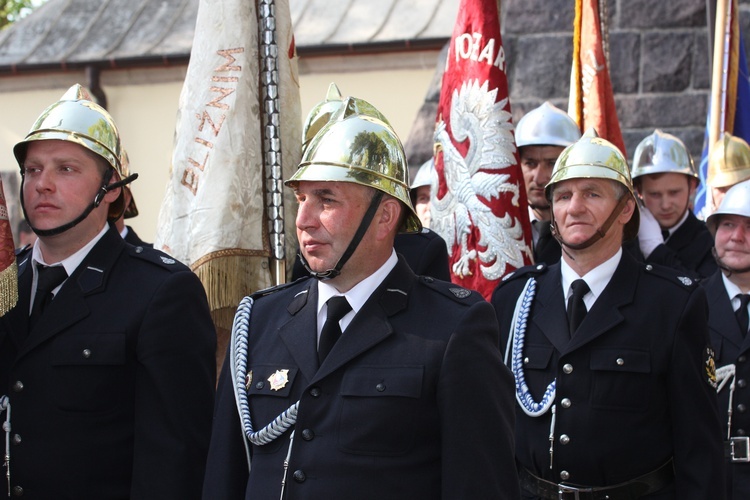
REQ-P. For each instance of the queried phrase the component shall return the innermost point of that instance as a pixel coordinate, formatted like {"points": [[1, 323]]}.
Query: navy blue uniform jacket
{"points": [[412, 402], [111, 392], [633, 384]]}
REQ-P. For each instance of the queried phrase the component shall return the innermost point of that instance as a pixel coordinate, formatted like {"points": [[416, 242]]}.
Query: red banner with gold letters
{"points": [[8, 270]]}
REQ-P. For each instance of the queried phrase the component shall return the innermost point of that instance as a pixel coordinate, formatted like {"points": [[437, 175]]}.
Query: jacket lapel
{"points": [[70, 305], [605, 313], [294, 333], [549, 307], [721, 318], [371, 325]]}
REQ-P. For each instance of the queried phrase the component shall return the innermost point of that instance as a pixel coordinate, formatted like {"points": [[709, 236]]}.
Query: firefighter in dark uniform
{"points": [[107, 366], [412, 401], [541, 135], [727, 292], [665, 179], [615, 381]]}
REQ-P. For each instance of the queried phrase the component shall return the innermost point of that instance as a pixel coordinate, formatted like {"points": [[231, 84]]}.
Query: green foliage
{"points": [[13, 10]]}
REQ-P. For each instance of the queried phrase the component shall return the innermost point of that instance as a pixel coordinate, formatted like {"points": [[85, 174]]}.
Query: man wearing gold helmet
{"points": [[728, 165], [367, 381], [665, 179], [728, 291], [107, 361], [614, 374]]}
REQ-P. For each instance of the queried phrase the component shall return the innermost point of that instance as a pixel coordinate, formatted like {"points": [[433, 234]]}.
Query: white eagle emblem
{"points": [[474, 116]]}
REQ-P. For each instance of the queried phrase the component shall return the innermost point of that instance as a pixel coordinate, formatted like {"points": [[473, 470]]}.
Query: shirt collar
{"points": [[681, 222], [358, 295], [69, 263], [597, 279]]}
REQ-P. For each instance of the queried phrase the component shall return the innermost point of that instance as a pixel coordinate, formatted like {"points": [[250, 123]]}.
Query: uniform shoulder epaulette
{"points": [[681, 278], [156, 257], [23, 249], [524, 272], [448, 289], [277, 288]]}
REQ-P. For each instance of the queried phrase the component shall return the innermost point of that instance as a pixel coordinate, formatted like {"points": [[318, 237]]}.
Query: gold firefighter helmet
{"points": [[729, 162], [131, 210], [358, 145], [76, 118], [736, 201], [662, 153], [593, 157], [320, 114], [546, 125]]}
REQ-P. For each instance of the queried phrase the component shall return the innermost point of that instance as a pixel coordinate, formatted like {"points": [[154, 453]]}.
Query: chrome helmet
{"points": [[662, 153], [736, 201], [546, 126]]}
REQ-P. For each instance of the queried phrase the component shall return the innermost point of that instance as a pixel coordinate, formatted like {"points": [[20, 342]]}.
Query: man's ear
{"points": [[389, 216]]}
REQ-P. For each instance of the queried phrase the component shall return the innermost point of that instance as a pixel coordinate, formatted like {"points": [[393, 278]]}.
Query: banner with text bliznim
{"points": [[214, 216], [478, 201]]}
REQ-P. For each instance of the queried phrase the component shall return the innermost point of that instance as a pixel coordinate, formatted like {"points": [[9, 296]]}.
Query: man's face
{"points": [[581, 206], [717, 194], [327, 218], [667, 196], [537, 163], [732, 241], [422, 205], [60, 181]]}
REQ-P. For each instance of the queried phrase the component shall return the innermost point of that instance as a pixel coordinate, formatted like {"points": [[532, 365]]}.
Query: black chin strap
{"points": [[599, 234], [722, 265], [361, 230], [103, 190]]}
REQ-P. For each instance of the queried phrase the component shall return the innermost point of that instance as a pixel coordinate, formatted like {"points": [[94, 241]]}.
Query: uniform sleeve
{"points": [[175, 381], [698, 453], [475, 397]]}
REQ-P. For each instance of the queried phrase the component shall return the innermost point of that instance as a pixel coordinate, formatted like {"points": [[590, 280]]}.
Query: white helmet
{"points": [[547, 126]]}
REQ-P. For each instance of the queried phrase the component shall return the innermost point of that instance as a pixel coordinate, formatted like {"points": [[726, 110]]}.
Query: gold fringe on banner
{"points": [[8, 288], [575, 104], [228, 277]]}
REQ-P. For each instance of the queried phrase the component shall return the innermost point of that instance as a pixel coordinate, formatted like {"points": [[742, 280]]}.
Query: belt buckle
{"points": [[740, 449], [564, 490]]}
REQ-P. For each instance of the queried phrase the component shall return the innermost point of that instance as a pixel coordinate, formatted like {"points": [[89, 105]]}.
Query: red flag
{"points": [[8, 270], [592, 102], [478, 203]]}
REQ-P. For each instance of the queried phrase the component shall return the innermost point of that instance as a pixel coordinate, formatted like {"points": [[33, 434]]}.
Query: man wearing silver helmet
{"points": [[670, 234], [107, 361], [365, 382], [729, 291], [541, 135], [614, 373]]}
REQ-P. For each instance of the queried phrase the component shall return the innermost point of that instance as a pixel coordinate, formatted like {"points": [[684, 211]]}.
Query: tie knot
{"points": [[744, 299], [665, 234], [49, 277], [579, 287], [337, 308]]}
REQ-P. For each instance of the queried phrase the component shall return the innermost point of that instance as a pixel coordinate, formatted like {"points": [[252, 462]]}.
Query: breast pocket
{"points": [[621, 379], [269, 388], [90, 371], [380, 407]]}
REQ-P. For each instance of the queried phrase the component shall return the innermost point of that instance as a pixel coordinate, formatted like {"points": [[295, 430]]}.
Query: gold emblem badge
{"points": [[710, 367], [278, 380], [248, 380]]}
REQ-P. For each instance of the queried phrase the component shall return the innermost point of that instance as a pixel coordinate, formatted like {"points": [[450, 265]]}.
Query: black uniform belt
{"points": [[737, 449], [643, 485]]}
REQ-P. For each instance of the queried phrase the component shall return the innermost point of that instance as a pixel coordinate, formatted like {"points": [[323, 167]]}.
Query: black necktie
{"points": [[576, 306], [741, 313], [337, 309], [665, 234], [48, 278]]}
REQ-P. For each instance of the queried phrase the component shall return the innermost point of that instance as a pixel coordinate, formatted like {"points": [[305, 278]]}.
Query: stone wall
{"points": [[659, 66]]}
